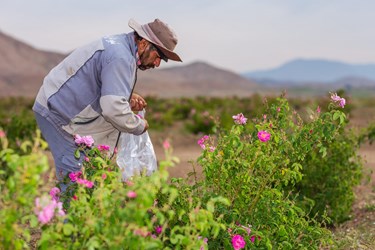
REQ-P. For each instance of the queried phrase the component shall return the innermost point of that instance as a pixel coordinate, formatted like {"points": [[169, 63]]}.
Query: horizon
{"points": [[255, 35]]}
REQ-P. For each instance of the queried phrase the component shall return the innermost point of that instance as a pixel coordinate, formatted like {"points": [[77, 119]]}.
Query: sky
{"points": [[237, 35]]}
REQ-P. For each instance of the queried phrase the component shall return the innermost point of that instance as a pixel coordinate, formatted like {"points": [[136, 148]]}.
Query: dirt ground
{"points": [[359, 232]]}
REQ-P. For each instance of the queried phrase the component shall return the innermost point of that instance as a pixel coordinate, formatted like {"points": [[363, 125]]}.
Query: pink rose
{"points": [[159, 230], [74, 176], [166, 145], [103, 147], [239, 119], [54, 193], [85, 140], [238, 242], [131, 194], [264, 136]]}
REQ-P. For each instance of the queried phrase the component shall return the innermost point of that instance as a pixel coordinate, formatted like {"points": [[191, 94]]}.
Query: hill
{"points": [[302, 71], [196, 79], [23, 68]]}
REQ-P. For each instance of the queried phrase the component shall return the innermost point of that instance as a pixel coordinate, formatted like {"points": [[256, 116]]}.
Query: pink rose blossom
{"points": [[86, 183], [278, 109], [252, 239], [248, 229], [166, 145], [342, 103], [87, 159], [131, 194], [46, 214], [75, 197], [318, 110], [205, 241], [337, 99], [104, 176], [54, 193], [159, 230], [238, 242], [264, 136], [60, 210], [239, 119], [45, 209], [202, 141], [85, 140], [2, 134], [103, 147], [74, 176]]}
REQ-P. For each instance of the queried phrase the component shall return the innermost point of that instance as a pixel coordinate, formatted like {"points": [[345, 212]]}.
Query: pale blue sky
{"points": [[239, 35]]}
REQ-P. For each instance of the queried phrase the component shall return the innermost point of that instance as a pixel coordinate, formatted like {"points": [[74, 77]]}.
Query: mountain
{"points": [[196, 79], [302, 71], [22, 69]]}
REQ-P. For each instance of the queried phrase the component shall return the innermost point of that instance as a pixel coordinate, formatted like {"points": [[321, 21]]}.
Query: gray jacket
{"points": [[88, 92]]}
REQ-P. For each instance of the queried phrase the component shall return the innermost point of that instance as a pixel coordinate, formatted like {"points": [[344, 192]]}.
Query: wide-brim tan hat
{"points": [[159, 34]]}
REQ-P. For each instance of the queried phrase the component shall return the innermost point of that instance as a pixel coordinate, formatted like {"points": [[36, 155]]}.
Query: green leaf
{"points": [[336, 115], [77, 154], [33, 221], [68, 229], [93, 243]]}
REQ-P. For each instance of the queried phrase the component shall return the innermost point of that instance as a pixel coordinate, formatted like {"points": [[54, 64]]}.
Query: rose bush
{"points": [[254, 193]]}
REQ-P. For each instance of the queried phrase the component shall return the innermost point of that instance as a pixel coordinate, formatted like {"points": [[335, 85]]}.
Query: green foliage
{"points": [[254, 175], [277, 194], [20, 180], [329, 181], [127, 215], [17, 120]]}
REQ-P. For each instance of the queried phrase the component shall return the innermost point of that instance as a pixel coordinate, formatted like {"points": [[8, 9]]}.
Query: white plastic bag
{"points": [[136, 154]]}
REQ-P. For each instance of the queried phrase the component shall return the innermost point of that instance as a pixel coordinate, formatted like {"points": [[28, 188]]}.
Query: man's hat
{"points": [[160, 34]]}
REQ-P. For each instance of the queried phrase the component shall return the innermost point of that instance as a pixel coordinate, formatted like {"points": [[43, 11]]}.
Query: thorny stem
{"points": [[261, 190]]}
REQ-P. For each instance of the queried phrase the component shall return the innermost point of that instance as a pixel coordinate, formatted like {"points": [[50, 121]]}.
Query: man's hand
{"points": [[137, 103]]}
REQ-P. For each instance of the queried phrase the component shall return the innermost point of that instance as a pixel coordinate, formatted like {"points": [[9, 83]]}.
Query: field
{"points": [[179, 122]]}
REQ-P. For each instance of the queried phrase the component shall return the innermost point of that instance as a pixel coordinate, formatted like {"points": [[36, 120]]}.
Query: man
{"points": [[88, 93]]}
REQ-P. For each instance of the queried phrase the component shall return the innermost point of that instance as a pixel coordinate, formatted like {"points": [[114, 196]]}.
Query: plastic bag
{"points": [[136, 154]]}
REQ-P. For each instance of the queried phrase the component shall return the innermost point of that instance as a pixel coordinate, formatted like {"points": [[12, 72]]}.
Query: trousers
{"points": [[62, 149]]}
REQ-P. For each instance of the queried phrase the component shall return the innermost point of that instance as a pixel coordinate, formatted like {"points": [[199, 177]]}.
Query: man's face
{"points": [[149, 58]]}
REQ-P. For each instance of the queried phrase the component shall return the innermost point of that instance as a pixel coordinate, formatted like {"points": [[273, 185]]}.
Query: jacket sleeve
{"points": [[117, 82]]}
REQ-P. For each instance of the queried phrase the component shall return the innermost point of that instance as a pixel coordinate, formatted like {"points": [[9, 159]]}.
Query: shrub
{"points": [[257, 165], [329, 181], [20, 181], [257, 190], [107, 213]]}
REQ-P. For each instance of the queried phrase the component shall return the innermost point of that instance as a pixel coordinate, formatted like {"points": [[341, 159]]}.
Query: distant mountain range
{"points": [[304, 71], [22, 69]]}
